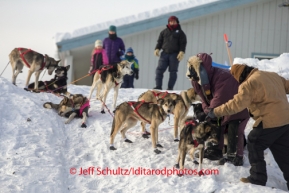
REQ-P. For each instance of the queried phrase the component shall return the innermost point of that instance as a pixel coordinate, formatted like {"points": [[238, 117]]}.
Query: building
{"points": [[257, 28]]}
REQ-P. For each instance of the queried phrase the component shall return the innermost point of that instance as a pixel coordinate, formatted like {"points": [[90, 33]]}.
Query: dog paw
{"points": [[47, 105], [201, 173], [83, 125], [145, 136], [177, 166], [195, 162], [128, 141], [157, 151], [102, 112], [112, 148], [176, 140], [159, 145]]}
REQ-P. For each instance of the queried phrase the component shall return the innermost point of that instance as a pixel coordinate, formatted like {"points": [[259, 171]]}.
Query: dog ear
{"points": [[160, 101], [207, 128], [57, 62], [67, 67]]}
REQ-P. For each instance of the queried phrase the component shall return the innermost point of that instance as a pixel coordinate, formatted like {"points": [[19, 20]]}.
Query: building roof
{"points": [[154, 22]]}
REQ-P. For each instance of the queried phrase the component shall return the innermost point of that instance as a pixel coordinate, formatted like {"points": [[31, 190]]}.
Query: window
{"points": [[261, 56]]}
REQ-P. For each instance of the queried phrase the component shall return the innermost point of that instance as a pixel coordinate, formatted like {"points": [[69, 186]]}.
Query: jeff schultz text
{"points": [[140, 171]]}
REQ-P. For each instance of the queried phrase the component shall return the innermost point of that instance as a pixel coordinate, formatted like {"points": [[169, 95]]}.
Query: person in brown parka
{"points": [[264, 94]]}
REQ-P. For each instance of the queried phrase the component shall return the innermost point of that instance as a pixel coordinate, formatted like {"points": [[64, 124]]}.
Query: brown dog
{"points": [[75, 105], [127, 115], [193, 137], [183, 103], [36, 62]]}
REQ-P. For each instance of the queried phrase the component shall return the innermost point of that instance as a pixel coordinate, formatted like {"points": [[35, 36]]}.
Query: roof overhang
{"points": [[151, 23]]}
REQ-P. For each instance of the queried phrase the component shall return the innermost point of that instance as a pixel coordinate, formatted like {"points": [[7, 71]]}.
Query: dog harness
{"points": [[79, 112], [104, 68], [24, 60], [193, 123], [82, 108], [158, 94], [135, 109]]}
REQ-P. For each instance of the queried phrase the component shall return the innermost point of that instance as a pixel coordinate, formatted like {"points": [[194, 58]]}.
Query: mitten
{"points": [[180, 55], [136, 74], [157, 52]]}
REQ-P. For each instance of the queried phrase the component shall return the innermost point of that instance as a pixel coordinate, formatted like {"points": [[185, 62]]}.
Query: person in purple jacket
{"points": [[217, 86], [114, 46]]}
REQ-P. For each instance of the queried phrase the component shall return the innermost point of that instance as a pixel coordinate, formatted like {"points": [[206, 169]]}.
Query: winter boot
{"points": [[158, 88], [238, 161]]}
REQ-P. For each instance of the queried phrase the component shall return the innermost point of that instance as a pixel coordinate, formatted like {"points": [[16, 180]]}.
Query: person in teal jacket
{"points": [[128, 79]]}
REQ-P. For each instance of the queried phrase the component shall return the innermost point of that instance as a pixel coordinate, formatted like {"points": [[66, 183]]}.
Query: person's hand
{"points": [[180, 55], [136, 75], [211, 115], [157, 52]]}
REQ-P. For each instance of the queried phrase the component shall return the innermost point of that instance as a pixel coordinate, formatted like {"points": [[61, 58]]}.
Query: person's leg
{"points": [[259, 139], [161, 68], [280, 151], [125, 83], [232, 138], [130, 82], [173, 69], [240, 143]]}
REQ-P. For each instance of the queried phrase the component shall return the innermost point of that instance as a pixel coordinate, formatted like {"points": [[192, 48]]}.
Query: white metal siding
{"points": [[259, 28]]}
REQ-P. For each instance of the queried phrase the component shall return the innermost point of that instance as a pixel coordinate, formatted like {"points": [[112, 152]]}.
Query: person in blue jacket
{"points": [[128, 79]]}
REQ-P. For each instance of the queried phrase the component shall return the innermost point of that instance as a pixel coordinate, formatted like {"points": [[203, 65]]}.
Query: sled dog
{"points": [[108, 77], [57, 85], [127, 114], [183, 103], [193, 137], [75, 105], [36, 62]]}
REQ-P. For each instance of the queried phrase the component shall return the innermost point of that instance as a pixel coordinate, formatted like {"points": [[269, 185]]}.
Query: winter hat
{"points": [[98, 43], [112, 28], [236, 70], [173, 18], [129, 50]]}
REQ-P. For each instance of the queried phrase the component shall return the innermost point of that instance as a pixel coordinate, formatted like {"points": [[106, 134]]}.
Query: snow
{"points": [[131, 19], [38, 155]]}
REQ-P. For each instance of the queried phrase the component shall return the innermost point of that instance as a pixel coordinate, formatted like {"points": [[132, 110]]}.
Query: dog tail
{"points": [[113, 126]]}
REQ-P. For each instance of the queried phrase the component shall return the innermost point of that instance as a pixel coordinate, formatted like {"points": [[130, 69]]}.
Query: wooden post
{"points": [[228, 49]]}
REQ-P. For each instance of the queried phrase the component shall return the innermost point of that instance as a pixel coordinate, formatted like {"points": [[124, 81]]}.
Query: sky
{"points": [[33, 24], [46, 155]]}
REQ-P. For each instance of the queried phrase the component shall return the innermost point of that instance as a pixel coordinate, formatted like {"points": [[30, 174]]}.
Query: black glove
{"points": [[211, 115], [136, 73]]}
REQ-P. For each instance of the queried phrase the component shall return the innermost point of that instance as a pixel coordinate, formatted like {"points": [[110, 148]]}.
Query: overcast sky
{"points": [[34, 23]]}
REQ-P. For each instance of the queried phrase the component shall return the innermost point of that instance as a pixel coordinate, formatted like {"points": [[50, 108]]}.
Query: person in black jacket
{"points": [[172, 41]]}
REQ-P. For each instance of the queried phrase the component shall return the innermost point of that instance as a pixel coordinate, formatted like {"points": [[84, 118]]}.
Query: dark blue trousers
{"points": [[165, 61], [127, 81]]}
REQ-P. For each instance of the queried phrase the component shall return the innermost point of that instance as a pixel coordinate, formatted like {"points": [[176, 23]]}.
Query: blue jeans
{"points": [[167, 60]]}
